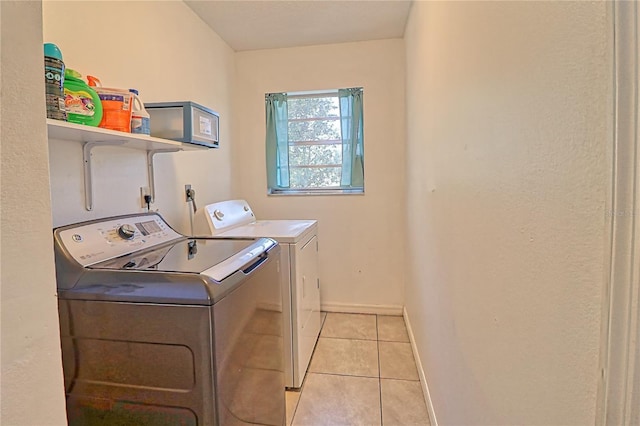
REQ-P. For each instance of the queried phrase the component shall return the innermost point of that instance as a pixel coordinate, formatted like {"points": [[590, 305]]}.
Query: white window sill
{"points": [[313, 192]]}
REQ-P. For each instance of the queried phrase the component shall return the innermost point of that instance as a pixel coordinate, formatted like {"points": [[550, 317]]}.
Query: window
{"points": [[314, 142]]}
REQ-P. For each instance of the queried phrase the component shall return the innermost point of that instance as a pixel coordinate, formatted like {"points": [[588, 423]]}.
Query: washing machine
{"points": [[160, 329], [298, 240]]}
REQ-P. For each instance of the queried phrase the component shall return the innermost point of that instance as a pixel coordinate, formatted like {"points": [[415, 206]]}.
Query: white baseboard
{"points": [[353, 308], [423, 379]]}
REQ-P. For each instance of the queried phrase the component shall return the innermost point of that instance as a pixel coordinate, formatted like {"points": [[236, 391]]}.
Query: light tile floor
{"points": [[362, 373]]}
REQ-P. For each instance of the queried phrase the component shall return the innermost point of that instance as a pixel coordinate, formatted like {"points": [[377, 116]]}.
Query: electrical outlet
{"points": [[144, 190], [187, 193]]}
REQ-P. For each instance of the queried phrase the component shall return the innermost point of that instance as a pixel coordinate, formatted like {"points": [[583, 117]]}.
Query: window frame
{"points": [[334, 190]]}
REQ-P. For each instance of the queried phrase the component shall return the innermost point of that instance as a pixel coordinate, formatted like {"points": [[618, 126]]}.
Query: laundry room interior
{"points": [[482, 223]]}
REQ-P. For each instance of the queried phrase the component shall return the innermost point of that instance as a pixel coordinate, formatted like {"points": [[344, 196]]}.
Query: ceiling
{"points": [[270, 24]]}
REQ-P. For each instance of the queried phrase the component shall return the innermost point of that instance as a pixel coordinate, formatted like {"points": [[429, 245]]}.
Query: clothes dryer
{"points": [[298, 241]]}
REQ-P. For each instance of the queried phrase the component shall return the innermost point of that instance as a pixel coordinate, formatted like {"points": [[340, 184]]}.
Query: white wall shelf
{"points": [[80, 133], [91, 137]]}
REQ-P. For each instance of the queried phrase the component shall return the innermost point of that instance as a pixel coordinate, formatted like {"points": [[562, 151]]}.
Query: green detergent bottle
{"points": [[82, 103]]}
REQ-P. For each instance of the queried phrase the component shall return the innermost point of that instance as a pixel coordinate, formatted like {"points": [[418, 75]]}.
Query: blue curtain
{"points": [[351, 122], [277, 140]]}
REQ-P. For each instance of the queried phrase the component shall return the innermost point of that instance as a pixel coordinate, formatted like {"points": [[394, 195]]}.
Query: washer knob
{"points": [[218, 214], [127, 231]]}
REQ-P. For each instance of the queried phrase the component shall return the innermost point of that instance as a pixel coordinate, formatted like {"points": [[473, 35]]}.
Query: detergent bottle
{"points": [[140, 118], [116, 105], [54, 81], [81, 102]]}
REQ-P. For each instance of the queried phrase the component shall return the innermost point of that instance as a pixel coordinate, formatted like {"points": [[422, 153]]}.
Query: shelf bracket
{"points": [[88, 174], [150, 173]]}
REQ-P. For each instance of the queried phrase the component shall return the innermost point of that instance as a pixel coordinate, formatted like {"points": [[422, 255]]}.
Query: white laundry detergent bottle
{"points": [[139, 116]]}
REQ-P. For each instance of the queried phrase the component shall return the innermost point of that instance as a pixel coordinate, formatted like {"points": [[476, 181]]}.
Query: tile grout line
{"points": [[295, 410], [293, 415], [379, 371], [347, 338], [350, 375]]}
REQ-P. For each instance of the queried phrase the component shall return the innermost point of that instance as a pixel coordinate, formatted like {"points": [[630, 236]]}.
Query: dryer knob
{"points": [[127, 231], [218, 214]]}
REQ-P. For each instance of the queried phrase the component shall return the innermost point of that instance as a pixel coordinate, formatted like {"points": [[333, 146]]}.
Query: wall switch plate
{"points": [[144, 190]]}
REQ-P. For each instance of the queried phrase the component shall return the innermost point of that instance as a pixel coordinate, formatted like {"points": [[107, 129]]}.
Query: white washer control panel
{"points": [[100, 241]]}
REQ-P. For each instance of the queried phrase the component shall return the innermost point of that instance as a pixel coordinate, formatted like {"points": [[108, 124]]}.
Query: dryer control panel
{"points": [[97, 241], [216, 218]]}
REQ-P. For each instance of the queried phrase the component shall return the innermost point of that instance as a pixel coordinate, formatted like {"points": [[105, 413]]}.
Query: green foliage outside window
{"points": [[315, 142]]}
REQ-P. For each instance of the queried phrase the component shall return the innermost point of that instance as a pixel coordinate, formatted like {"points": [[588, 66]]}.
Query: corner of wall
{"points": [[32, 383], [423, 378]]}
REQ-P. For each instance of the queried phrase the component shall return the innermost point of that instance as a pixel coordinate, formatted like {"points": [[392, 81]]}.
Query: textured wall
{"points": [[361, 236], [509, 112], [165, 51], [32, 391]]}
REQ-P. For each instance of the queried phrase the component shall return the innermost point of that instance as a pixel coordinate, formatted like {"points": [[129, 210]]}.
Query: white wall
{"points": [[509, 116], [361, 237], [174, 56], [32, 391]]}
